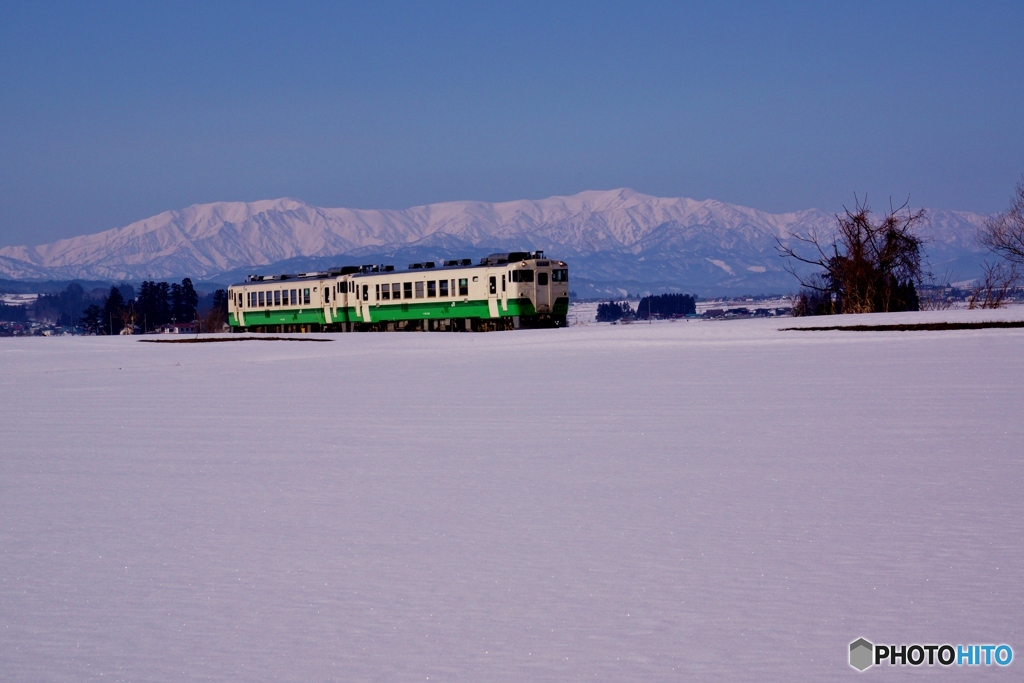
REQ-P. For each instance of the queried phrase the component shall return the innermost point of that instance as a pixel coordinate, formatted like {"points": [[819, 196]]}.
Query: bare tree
{"points": [[997, 282], [868, 267], [1004, 233], [128, 317]]}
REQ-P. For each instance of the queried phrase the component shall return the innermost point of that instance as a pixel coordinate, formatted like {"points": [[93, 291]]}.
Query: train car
{"points": [[501, 292]]}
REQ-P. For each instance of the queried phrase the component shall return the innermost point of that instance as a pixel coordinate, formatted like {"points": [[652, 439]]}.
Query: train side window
{"points": [[431, 289], [463, 287], [376, 293], [305, 296], [277, 297], [407, 288], [542, 279], [419, 290], [295, 299], [261, 299], [492, 285], [385, 292], [444, 287]]}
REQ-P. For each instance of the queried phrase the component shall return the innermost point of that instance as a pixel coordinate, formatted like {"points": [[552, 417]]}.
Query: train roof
{"points": [[376, 269]]}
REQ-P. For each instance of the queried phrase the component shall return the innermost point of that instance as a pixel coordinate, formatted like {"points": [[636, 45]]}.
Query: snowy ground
{"points": [[713, 501]]}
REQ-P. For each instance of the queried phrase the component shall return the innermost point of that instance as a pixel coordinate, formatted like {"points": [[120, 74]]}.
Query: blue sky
{"points": [[111, 112]]}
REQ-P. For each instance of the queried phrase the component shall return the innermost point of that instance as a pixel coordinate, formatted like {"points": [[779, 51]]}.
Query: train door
{"points": [[325, 293], [492, 295], [543, 290]]}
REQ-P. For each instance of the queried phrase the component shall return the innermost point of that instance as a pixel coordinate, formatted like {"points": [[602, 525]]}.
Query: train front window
{"points": [[522, 276], [560, 275], [542, 279], [463, 287]]}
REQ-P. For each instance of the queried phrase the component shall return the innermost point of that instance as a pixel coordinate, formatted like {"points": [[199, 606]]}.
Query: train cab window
{"points": [[463, 287], [305, 296], [366, 292], [385, 291], [542, 279], [431, 289], [492, 285], [444, 287], [407, 288], [419, 290], [261, 299]]}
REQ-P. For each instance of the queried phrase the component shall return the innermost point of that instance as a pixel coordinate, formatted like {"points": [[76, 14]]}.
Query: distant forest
{"points": [[99, 311], [656, 306], [666, 306]]}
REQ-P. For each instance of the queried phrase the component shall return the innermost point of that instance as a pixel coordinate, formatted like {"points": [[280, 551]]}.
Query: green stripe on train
{"points": [[427, 310]]}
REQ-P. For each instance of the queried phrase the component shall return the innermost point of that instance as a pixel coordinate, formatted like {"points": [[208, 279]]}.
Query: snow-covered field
{"points": [[715, 501]]}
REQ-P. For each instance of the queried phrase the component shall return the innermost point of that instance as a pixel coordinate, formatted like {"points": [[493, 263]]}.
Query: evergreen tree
{"points": [[92, 320], [111, 322], [152, 305], [183, 302], [189, 301]]}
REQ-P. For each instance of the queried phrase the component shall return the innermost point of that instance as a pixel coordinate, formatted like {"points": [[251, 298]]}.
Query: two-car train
{"points": [[502, 291]]}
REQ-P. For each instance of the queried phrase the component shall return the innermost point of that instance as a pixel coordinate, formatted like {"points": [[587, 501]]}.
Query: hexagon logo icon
{"points": [[861, 654]]}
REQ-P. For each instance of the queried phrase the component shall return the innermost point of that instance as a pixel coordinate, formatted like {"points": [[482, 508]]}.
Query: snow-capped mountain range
{"points": [[615, 237]]}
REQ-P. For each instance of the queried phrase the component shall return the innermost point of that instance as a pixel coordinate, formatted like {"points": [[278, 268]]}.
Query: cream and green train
{"points": [[502, 292]]}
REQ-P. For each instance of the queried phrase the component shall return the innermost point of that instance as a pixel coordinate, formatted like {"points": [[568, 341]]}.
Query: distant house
{"points": [[178, 328], [714, 313]]}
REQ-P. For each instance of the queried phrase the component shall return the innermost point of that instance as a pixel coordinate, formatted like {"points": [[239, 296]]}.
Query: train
{"points": [[505, 291]]}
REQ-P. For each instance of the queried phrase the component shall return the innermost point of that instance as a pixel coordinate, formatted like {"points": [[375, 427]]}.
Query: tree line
{"points": [[157, 304], [660, 306]]}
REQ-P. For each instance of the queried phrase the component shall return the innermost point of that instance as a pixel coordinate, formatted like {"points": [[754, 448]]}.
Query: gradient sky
{"points": [[112, 112]]}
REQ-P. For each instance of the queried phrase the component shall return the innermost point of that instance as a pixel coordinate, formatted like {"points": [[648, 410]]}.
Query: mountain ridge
{"points": [[610, 235]]}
